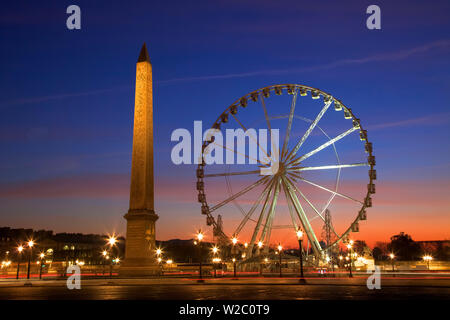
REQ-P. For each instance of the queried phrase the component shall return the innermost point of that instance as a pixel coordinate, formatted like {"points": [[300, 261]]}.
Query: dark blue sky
{"points": [[66, 96]]}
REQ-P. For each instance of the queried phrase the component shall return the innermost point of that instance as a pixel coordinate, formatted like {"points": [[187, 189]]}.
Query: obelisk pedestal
{"points": [[140, 238]]}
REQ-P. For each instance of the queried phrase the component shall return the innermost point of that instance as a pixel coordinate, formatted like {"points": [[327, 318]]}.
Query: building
{"points": [[68, 247]]}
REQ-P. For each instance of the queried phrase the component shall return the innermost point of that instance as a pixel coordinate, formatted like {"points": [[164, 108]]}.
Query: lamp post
{"points": [[111, 242], [428, 258], [234, 241], [41, 256], [280, 248], [19, 250], [300, 248], [30, 245], [199, 242], [349, 247], [159, 259], [392, 256], [104, 255], [215, 259], [260, 245]]}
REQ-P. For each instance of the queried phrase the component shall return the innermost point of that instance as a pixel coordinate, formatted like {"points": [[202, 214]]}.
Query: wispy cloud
{"points": [[391, 56], [59, 96], [433, 119]]}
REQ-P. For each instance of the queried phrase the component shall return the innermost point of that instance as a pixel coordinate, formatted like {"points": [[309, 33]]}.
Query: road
{"points": [[226, 289]]}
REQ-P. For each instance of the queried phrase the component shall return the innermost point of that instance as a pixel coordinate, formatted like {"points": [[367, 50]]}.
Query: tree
{"points": [[359, 247], [377, 253], [404, 247]]}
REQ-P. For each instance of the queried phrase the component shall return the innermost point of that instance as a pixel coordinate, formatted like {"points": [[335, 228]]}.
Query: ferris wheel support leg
{"points": [[265, 236], [289, 204], [303, 219], [258, 224]]}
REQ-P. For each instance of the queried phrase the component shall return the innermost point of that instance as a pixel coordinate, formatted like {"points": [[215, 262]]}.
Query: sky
{"points": [[67, 99]]}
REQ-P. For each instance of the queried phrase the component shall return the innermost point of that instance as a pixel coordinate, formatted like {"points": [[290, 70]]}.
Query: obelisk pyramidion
{"points": [[141, 217]]}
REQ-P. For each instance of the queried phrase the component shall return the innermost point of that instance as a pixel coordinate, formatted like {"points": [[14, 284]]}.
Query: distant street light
{"points": [[280, 249], [260, 245], [159, 253], [104, 254], [41, 256], [392, 256], [234, 241], [349, 247], [199, 241], [428, 258], [111, 242], [300, 248], [30, 245], [215, 259], [19, 250]]}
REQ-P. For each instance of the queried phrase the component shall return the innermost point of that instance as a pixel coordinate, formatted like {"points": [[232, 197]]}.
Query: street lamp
{"points": [[428, 258], [300, 250], [199, 241], [19, 250], [349, 247], [30, 245], [234, 241], [159, 253], [111, 242], [104, 255], [260, 245], [215, 260], [392, 256], [41, 256], [280, 248]]}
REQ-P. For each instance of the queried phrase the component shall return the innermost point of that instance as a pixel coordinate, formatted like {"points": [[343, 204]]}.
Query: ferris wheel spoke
{"points": [[310, 129], [243, 154], [240, 193], [250, 212], [289, 126], [323, 146], [329, 167], [265, 236], [313, 207], [225, 174], [328, 203], [291, 213], [302, 216], [266, 115], [251, 136], [333, 192]]}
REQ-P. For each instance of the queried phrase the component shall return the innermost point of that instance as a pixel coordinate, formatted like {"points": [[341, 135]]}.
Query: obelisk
{"points": [[141, 217]]}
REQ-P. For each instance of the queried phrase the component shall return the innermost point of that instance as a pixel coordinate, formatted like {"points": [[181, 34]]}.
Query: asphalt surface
{"points": [[430, 288]]}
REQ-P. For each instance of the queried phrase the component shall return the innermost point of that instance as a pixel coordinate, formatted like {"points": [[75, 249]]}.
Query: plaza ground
{"points": [[399, 286]]}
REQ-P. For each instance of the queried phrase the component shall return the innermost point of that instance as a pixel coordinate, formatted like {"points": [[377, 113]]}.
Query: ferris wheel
{"points": [[308, 180]]}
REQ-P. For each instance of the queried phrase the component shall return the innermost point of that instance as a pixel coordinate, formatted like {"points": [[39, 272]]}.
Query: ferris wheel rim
{"points": [[372, 174]]}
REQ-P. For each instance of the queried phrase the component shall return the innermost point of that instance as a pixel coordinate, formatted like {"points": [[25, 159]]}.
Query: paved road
{"points": [[177, 289]]}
